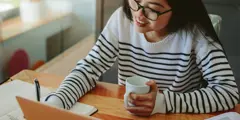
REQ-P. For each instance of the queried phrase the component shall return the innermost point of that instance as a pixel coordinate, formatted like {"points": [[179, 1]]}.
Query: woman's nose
{"points": [[140, 14]]}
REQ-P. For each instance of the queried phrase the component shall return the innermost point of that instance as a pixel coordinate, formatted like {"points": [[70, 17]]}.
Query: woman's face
{"points": [[143, 24]]}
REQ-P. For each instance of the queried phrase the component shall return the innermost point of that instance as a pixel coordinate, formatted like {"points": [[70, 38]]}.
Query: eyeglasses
{"points": [[147, 12]]}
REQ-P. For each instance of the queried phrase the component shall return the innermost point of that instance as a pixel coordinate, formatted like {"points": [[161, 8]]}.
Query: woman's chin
{"points": [[141, 29]]}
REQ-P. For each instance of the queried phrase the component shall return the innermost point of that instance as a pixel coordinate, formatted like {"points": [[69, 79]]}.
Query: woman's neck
{"points": [[155, 36]]}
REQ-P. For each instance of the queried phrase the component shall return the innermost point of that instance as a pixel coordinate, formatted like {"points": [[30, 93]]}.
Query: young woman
{"points": [[170, 42]]}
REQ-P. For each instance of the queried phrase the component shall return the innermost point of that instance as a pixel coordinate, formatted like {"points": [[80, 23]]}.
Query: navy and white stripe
{"points": [[179, 64]]}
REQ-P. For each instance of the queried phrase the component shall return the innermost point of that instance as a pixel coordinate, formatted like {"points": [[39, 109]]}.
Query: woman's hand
{"points": [[144, 103], [53, 101]]}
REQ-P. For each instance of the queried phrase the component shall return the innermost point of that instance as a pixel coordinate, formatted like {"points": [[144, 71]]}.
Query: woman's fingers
{"points": [[141, 100], [137, 110], [148, 104], [142, 114], [152, 85], [141, 97]]}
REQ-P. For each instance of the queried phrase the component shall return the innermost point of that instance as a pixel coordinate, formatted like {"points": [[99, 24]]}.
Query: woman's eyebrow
{"points": [[158, 4]]}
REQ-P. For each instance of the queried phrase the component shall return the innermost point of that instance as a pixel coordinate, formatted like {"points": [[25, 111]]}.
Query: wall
{"points": [[229, 10], [1, 62], [109, 7], [83, 19]]}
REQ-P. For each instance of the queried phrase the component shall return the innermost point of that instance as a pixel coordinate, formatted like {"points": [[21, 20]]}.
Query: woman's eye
{"points": [[153, 10], [156, 8]]}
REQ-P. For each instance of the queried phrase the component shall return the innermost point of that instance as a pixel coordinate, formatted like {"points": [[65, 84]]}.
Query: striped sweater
{"points": [[180, 64]]}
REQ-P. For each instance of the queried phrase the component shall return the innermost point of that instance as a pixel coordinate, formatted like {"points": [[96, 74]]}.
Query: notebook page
{"points": [[10, 110]]}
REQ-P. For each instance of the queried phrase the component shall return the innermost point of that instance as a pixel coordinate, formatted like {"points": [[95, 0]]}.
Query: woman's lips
{"points": [[140, 23]]}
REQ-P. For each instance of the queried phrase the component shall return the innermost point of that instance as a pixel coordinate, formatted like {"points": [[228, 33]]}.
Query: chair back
{"points": [[18, 62], [217, 22]]}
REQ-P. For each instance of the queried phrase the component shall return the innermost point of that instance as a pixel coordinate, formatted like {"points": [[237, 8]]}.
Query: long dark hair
{"points": [[186, 14]]}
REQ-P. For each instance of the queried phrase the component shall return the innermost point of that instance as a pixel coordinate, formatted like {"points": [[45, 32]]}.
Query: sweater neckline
{"points": [[145, 42]]}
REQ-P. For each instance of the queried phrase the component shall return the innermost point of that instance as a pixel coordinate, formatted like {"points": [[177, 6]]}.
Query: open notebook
{"points": [[11, 110]]}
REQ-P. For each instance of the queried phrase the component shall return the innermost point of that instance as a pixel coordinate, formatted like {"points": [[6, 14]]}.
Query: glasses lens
{"points": [[133, 5], [150, 14]]}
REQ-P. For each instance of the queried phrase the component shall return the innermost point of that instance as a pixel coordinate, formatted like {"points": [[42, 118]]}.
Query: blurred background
{"points": [[52, 35]]}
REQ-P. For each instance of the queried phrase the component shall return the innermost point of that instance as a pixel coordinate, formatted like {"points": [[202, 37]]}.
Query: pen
{"points": [[37, 88]]}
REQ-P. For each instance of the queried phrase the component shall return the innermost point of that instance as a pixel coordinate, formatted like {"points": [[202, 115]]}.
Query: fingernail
{"points": [[152, 81]]}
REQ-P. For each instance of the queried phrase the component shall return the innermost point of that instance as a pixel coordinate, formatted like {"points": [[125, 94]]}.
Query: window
{"points": [[7, 3], [9, 8]]}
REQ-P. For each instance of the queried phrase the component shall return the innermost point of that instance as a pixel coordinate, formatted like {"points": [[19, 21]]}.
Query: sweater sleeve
{"points": [[221, 92], [83, 78]]}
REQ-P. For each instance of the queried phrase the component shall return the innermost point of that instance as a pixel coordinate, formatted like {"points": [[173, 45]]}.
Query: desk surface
{"points": [[108, 98]]}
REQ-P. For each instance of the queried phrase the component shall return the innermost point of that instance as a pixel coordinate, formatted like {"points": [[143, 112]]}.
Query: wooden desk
{"points": [[108, 98]]}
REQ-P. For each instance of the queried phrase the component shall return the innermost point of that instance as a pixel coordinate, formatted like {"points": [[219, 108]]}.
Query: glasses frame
{"points": [[143, 9]]}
